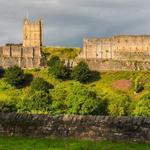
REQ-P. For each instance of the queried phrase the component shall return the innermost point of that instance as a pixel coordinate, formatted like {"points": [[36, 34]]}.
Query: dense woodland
{"points": [[61, 90]]}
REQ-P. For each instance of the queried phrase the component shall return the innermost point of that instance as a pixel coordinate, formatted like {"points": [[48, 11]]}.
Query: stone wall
{"points": [[84, 127], [117, 65], [125, 48], [24, 57]]}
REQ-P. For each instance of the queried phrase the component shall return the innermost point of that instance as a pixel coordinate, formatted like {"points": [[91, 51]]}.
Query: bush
{"points": [[81, 72], [8, 106], [73, 98], [57, 68], [138, 86], [142, 107], [37, 102], [119, 105], [14, 76], [40, 84]]}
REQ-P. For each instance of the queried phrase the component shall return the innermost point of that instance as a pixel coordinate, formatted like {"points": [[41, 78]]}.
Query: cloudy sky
{"points": [[67, 22]]}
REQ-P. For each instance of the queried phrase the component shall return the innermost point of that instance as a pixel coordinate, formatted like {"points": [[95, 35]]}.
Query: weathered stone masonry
{"points": [[28, 54], [24, 57], [124, 52], [84, 127]]}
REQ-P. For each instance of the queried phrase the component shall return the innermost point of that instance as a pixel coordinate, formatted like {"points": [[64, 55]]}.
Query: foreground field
{"points": [[17, 143]]}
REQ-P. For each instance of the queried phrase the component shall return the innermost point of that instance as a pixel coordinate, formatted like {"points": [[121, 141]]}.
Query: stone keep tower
{"points": [[32, 33]]}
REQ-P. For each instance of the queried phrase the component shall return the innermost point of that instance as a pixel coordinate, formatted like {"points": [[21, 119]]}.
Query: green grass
{"points": [[62, 52], [104, 85], [20, 143]]}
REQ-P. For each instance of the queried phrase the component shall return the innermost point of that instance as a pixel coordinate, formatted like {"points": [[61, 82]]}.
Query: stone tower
{"points": [[32, 33]]}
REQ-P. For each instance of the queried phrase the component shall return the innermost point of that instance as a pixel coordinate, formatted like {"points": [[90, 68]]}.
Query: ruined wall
{"points": [[117, 65], [123, 49], [85, 127], [20, 56]]}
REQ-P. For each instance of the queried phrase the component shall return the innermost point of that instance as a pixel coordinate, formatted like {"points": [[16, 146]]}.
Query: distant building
{"points": [[27, 55], [123, 52]]}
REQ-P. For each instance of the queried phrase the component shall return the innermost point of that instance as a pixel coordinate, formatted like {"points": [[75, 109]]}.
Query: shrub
{"points": [[138, 86], [119, 105], [37, 102], [142, 107], [14, 76], [81, 72], [8, 106], [57, 68], [40, 84], [74, 98]]}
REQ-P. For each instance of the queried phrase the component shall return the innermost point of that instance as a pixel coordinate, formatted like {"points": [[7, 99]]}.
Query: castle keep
{"points": [[124, 52], [27, 55]]}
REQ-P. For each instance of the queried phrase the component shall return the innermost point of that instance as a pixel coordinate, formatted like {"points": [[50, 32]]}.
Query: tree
{"points": [[81, 72], [37, 102], [142, 107], [14, 76], [57, 68], [40, 84], [119, 105], [74, 98]]}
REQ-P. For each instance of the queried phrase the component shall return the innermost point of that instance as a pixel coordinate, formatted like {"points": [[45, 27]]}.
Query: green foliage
{"points": [[40, 84], [14, 76], [142, 107], [37, 102], [57, 68], [138, 86], [8, 106], [119, 105], [74, 98], [81, 72]]}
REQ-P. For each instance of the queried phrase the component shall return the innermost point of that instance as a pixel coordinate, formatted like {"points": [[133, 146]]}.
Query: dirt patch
{"points": [[122, 84]]}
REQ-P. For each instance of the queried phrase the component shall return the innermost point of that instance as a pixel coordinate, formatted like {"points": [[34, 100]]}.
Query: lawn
{"points": [[20, 143]]}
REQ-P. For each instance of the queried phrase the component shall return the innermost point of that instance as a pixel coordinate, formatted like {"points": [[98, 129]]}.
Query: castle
{"points": [[28, 54], [124, 52]]}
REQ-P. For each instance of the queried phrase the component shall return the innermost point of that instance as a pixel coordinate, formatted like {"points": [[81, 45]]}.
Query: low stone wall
{"points": [[85, 127]]}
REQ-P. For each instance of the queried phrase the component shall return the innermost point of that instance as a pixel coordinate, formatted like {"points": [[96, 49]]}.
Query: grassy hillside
{"points": [[19, 143], [102, 86], [62, 52]]}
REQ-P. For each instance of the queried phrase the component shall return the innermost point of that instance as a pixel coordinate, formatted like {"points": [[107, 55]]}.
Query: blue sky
{"points": [[67, 22]]}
